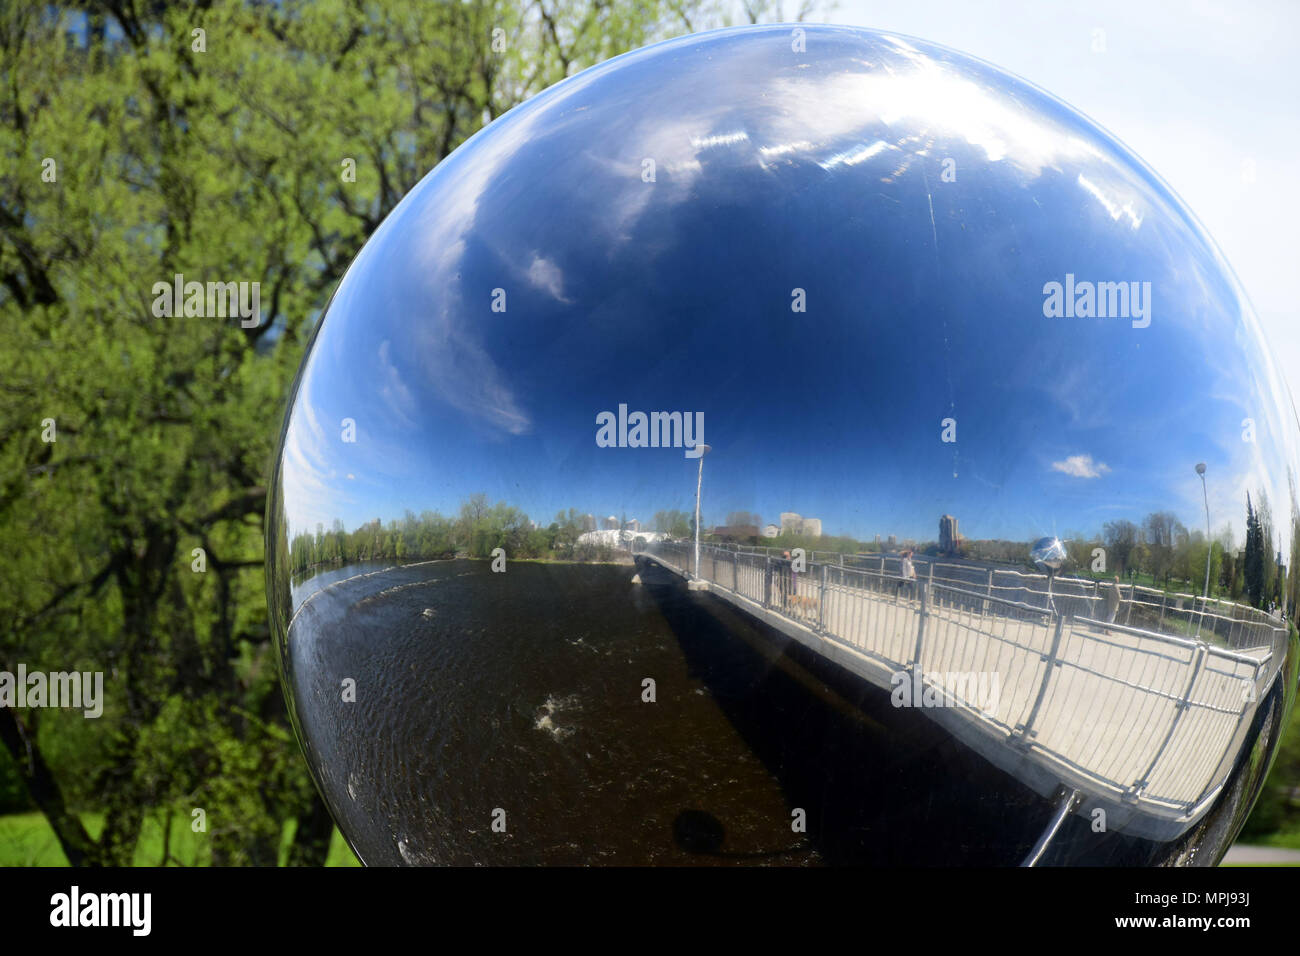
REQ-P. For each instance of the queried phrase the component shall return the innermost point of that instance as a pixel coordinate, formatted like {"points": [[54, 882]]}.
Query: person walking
{"points": [[1112, 601], [908, 572], [789, 583]]}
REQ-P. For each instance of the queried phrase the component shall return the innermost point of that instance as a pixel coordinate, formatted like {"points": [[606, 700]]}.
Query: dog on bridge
{"points": [[803, 605]]}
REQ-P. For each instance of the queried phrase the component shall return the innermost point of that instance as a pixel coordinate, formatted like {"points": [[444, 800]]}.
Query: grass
{"points": [[1286, 839], [1255, 866], [27, 840]]}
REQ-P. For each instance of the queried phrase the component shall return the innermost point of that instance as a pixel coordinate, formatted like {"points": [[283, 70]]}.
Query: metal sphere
{"points": [[1048, 554], [892, 287]]}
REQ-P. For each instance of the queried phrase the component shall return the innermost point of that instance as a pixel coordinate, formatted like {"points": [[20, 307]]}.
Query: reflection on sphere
{"points": [[995, 478]]}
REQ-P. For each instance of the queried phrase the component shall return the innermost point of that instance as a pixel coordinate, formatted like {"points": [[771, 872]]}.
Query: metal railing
{"points": [[1227, 623], [1151, 719]]}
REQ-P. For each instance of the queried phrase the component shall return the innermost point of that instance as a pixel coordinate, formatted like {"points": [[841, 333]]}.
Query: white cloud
{"points": [[1081, 466], [546, 275]]}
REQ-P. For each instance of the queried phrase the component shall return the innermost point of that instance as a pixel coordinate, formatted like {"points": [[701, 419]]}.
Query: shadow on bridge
{"points": [[881, 786]]}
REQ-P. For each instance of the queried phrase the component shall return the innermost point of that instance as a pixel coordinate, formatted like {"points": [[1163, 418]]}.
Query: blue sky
{"points": [[924, 302], [1203, 91]]}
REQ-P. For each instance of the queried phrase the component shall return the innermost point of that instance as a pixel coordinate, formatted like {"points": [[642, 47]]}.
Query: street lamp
{"points": [[1209, 546], [699, 481]]}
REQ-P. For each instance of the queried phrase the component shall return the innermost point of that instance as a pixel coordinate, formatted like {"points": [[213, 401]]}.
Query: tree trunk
{"points": [[44, 790]]}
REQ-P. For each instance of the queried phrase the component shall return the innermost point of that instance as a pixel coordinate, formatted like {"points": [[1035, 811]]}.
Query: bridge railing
{"points": [[1226, 623], [1151, 718]]}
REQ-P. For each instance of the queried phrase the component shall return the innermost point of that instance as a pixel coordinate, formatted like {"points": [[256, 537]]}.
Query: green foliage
{"points": [[13, 795], [476, 532], [27, 840], [225, 163], [673, 522], [1278, 809], [1263, 580]]}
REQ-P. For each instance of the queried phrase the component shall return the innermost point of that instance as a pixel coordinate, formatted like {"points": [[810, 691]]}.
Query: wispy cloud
{"points": [[546, 275], [395, 392], [1081, 466]]}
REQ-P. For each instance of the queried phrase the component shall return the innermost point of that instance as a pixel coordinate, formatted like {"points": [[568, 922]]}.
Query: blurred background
{"points": [[264, 142]]}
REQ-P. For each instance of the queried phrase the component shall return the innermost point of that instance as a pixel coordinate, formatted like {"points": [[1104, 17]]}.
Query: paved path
{"points": [[1241, 855], [1143, 724]]}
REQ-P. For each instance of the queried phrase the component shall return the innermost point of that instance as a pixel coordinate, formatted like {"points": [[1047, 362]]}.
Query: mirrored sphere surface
{"points": [[1048, 554], [923, 315]]}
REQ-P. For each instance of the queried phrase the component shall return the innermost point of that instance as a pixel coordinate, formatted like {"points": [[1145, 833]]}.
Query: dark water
{"points": [[523, 691], [497, 701]]}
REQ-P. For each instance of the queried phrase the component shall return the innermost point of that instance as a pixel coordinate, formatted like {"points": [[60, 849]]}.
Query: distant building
{"points": [[613, 538], [771, 531], [611, 523], [792, 523], [949, 539], [589, 523], [739, 532], [632, 525], [892, 542]]}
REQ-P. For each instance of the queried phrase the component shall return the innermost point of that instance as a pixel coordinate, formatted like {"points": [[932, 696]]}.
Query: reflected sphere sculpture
{"points": [[923, 315], [1048, 554]]}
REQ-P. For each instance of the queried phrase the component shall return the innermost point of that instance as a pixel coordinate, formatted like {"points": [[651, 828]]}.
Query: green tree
{"points": [[1161, 532], [1121, 538], [134, 444], [1256, 561], [673, 522]]}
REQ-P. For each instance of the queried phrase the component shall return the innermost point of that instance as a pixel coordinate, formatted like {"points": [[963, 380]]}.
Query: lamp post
{"points": [[1209, 547], [699, 482]]}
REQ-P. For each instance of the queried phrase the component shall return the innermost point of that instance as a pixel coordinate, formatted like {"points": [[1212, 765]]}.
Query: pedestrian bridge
{"points": [[1143, 724]]}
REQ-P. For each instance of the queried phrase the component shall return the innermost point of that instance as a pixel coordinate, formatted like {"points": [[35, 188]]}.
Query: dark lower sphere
{"points": [[940, 359]]}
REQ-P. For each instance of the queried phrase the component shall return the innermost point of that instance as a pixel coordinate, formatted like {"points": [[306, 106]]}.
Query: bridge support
{"points": [[1063, 809]]}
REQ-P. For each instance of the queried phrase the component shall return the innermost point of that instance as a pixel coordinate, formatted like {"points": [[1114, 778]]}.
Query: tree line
{"points": [[1163, 549], [477, 530]]}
